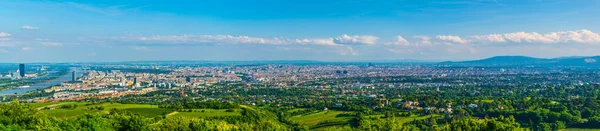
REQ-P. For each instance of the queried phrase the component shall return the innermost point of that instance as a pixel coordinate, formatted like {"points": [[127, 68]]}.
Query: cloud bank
{"points": [[229, 39], [578, 36], [476, 43]]}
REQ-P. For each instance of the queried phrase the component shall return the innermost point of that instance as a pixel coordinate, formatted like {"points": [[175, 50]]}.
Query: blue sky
{"points": [[349, 30]]}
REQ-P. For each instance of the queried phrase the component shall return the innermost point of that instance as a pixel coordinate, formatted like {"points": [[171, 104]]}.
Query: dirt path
{"points": [[53, 105], [172, 113]]}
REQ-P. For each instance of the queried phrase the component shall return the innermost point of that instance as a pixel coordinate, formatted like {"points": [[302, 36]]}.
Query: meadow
{"points": [[53, 109], [146, 110], [322, 119], [208, 113]]}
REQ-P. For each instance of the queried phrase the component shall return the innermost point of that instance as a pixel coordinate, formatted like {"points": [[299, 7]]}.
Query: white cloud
{"points": [[3, 51], [26, 48], [481, 44], [579, 36], [450, 38], [328, 41], [398, 41], [218, 39], [527, 37], [494, 38], [244, 39], [228, 39], [52, 44], [26, 27], [4, 34], [425, 45], [356, 40]]}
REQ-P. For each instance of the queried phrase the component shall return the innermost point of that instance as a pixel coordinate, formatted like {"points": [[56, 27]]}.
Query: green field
{"points": [[208, 113], [142, 109], [38, 105], [150, 112], [322, 119], [67, 113], [108, 106], [295, 109]]}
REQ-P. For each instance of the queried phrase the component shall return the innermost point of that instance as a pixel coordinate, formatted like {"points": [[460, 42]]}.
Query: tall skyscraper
{"points": [[73, 77], [188, 79], [22, 70]]}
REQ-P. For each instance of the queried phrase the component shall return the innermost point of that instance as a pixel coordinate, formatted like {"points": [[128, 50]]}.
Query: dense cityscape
{"points": [[317, 95]]}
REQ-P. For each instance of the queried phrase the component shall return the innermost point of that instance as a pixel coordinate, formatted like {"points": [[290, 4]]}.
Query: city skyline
{"points": [[108, 31]]}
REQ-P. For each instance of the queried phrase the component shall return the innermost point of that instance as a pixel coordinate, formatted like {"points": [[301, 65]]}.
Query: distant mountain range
{"points": [[524, 60]]}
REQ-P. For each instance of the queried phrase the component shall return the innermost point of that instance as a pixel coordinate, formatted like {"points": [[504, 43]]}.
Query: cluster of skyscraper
{"points": [[20, 73]]}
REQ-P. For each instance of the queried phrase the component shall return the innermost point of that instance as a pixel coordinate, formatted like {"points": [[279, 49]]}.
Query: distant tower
{"points": [[188, 79], [22, 70], [134, 81], [73, 76]]}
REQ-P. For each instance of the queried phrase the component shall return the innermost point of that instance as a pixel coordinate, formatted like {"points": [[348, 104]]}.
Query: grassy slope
{"points": [[295, 109], [208, 113], [38, 105], [314, 120], [142, 109], [322, 119], [150, 112]]}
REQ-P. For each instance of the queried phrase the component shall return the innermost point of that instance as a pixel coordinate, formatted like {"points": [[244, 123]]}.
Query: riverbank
{"points": [[57, 78]]}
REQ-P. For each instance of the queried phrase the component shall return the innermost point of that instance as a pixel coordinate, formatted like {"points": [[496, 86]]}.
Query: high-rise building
{"points": [[22, 70], [188, 79], [73, 77]]}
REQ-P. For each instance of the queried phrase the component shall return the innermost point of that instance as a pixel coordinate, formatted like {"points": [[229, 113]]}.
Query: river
{"points": [[59, 80]]}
